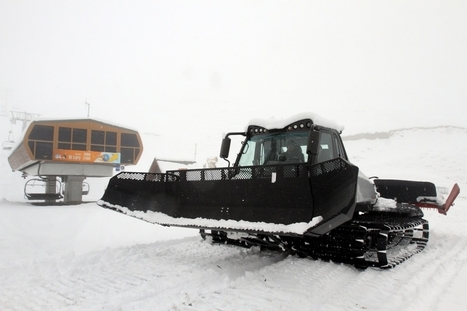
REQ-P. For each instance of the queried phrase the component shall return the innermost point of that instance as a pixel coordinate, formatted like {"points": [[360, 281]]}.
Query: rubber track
{"points": [[395, 239], [382, 241]]}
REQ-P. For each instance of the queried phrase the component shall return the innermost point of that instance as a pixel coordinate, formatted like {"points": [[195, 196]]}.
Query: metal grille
{"points": [[142, 176], [203, 174], [292, 171], [215, 174], [239, 173], [328, 166], [193, 175], [133, 176], [155, 177]]}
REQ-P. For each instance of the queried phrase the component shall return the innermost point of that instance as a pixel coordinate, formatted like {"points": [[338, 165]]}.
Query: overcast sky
{"points": [[159, 65]]}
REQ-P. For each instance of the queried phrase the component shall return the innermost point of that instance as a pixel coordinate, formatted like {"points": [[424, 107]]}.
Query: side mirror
{"points": [[225, 148], [313, 143]]}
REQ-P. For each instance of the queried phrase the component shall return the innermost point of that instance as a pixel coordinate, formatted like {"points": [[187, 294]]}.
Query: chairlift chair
{"points": [[36, 189], [8, 144]]}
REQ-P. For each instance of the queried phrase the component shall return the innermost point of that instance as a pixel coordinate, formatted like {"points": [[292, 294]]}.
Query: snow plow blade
{"points": [[419, 193], [282, 199]]}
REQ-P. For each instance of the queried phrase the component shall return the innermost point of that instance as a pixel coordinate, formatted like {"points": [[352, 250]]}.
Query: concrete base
{"points": [[73, 189]]}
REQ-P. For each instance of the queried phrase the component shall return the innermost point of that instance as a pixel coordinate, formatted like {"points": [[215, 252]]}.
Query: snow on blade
{"points": [[163, 219], [384, 204], [440, 201]]}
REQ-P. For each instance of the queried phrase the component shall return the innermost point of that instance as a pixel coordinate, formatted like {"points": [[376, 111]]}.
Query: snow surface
{"points": [[83, 257]]}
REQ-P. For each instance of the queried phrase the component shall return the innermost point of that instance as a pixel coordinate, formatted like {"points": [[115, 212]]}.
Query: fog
{"points": [[171, 66]]}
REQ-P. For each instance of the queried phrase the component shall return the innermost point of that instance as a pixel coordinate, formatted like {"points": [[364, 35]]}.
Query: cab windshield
{"points": [[273, 148]]}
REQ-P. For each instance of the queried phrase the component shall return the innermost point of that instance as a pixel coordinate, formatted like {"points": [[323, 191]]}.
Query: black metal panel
{"points": [[405, 191], [136, 191], [334, 184], [275, 194], [280, 194], [260, 200]]}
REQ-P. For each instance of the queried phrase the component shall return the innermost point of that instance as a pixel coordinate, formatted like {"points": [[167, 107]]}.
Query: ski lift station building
{"points": [[71, 150]]}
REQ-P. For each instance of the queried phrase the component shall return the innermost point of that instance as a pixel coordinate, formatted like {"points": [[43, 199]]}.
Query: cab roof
{"points": [[273, 123]]}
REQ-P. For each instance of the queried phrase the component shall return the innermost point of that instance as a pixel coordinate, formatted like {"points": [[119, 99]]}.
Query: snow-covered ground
{"points": [[84, 257]]}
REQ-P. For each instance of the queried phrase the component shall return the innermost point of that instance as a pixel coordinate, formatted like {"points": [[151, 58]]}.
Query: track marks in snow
{"points": [[192, 274], [168, 273], [439, 272], [416, 284], [291, 284]]}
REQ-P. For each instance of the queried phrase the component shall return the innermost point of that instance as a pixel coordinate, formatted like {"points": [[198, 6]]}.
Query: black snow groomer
{"points": [[291, 188]]}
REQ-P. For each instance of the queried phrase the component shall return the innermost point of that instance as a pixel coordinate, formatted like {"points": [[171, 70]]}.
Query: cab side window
{"points": [[326, 148], [339, 147]]}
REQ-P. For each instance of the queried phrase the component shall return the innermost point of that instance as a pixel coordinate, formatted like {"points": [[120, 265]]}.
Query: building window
{"points": [[130, 147], [44, 150], [127, 155], [64, 134], [41, 142], [64, 138], [111, 138], [103, 141], [79, 135], [97, 137], [42, 132], [79, 139], [129, 140]]}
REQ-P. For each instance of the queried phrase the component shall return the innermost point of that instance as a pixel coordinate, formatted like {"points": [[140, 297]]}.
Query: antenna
{"points": [[89, 106]]}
